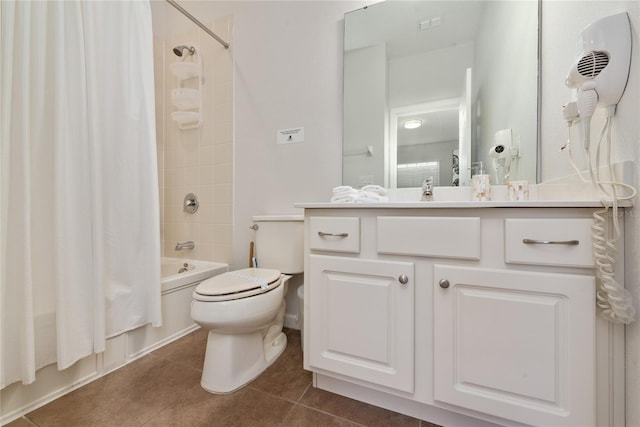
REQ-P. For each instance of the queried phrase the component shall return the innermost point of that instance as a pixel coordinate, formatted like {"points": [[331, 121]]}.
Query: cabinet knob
{"points": [[444, 283], [403, 279]]}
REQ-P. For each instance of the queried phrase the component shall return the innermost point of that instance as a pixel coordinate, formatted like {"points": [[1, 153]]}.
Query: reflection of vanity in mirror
{"points": [[430, 87]]}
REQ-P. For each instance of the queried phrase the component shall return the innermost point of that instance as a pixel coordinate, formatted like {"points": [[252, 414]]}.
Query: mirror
{"points": [[433, 87]]}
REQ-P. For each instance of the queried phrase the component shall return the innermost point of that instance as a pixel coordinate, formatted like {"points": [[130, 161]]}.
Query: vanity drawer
{"points": [[553, 241], [429, 236], [334, 234]]}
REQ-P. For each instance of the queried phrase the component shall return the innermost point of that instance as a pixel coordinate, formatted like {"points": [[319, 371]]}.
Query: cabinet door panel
{"points": [[517, 345], [362, 319]]}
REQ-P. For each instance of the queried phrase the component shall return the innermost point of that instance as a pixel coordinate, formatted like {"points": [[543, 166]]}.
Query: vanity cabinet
{"points": [[460, 316], [518, 345], [363, 322]]}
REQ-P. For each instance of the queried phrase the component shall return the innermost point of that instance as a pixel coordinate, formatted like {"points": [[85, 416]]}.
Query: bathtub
{"points": [[178, 273]]}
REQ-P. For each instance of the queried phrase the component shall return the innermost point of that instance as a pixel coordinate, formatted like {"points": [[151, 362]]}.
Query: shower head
{"points": [[179, 50]]}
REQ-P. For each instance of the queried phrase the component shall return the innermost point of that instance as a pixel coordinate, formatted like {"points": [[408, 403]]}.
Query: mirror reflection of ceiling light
{"points": [[412, 124]]}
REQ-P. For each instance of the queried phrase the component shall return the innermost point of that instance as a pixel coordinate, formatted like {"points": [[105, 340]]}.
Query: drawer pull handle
{"points": [[551, 242], [323, 234]]}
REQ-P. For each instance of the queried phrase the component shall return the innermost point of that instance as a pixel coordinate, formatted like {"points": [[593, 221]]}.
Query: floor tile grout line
{"points": [[330, 414], [304, 392], [284, 419], [147, 421], [26, 418], [275, 395], [297, 403]]}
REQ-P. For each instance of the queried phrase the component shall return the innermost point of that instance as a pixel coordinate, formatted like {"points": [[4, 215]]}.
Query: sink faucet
{"points": [[185, 245]]}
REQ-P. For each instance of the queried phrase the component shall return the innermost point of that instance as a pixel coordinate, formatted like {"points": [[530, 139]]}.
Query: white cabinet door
{"points": [[361, 319], [517, 345]]}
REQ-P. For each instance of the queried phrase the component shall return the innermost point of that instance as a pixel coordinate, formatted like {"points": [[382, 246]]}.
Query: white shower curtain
{"points": [[80, 258]]}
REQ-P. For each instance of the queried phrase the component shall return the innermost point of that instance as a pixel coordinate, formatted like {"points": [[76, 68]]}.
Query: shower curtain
{"points": [[80, 255]]}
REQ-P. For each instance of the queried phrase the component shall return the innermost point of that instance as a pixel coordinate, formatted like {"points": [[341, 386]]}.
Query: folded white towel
{"points": [[367, 194], [344, 189], [372, 188], [345, 198], [371, 197]]}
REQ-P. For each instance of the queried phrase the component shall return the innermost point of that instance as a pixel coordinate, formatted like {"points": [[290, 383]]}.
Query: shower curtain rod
{"points": [[198, 23]]}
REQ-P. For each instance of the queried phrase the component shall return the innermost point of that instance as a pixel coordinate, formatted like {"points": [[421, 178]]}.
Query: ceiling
{"points": [[456, 22]]}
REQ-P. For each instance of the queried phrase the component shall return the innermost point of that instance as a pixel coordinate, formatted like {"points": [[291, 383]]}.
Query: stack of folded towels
{"points": [[367, 194]]}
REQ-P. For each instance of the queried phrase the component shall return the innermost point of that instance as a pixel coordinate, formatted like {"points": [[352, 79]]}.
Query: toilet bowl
{"points": [[243, 311]]}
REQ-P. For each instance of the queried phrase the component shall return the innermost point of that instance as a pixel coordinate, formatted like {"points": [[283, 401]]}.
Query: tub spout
{"points": [[185, 245]]}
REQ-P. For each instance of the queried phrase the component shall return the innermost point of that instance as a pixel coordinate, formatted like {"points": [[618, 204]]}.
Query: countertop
{"points": [[458, 204]]}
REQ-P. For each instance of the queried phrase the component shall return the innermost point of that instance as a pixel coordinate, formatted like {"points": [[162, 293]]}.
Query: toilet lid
{"points": [[237, 284]]}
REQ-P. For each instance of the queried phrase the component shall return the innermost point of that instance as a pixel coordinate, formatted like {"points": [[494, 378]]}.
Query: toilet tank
{"points": [[279, 241]]}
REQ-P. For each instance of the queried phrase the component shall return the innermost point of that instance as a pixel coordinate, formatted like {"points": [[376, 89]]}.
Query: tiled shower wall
{"points": [[198, 160]]}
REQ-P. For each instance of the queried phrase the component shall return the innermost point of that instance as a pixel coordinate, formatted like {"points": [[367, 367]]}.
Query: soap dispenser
{"points": [[481, 184]]}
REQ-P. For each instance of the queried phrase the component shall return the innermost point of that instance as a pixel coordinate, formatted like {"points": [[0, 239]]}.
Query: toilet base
{"points": [[232, 361]]}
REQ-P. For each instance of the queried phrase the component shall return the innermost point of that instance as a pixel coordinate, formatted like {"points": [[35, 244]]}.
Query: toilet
{"points": [[244, 309]]}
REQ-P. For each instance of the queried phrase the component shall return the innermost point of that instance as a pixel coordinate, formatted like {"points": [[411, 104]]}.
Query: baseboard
{"points": [[32, 406], [291, 321], [161, 343]]}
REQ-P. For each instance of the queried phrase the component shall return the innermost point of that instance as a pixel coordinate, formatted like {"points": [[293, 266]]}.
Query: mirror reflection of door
{"points": [[464, 153], [425, 143]]}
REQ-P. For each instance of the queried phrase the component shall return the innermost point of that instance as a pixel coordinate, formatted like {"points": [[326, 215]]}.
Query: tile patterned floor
{"points": [[163, 389]]}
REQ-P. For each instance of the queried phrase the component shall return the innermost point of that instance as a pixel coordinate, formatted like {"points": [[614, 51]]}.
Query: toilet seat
{"points": [[238, 284]]}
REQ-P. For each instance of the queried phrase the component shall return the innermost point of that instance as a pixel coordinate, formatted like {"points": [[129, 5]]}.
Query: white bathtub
{"points": [[196, 272]]}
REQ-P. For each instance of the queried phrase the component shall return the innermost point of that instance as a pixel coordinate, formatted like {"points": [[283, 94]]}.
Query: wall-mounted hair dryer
{"points": [[502, 154], [601, 70], [599, 77]]}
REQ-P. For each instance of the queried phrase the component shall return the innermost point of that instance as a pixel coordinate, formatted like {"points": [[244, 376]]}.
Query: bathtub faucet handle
{"points": [[191, 203], [185, 245]]}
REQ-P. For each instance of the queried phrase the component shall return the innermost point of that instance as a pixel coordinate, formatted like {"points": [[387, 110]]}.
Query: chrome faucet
{"points": [[185, 245]]}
